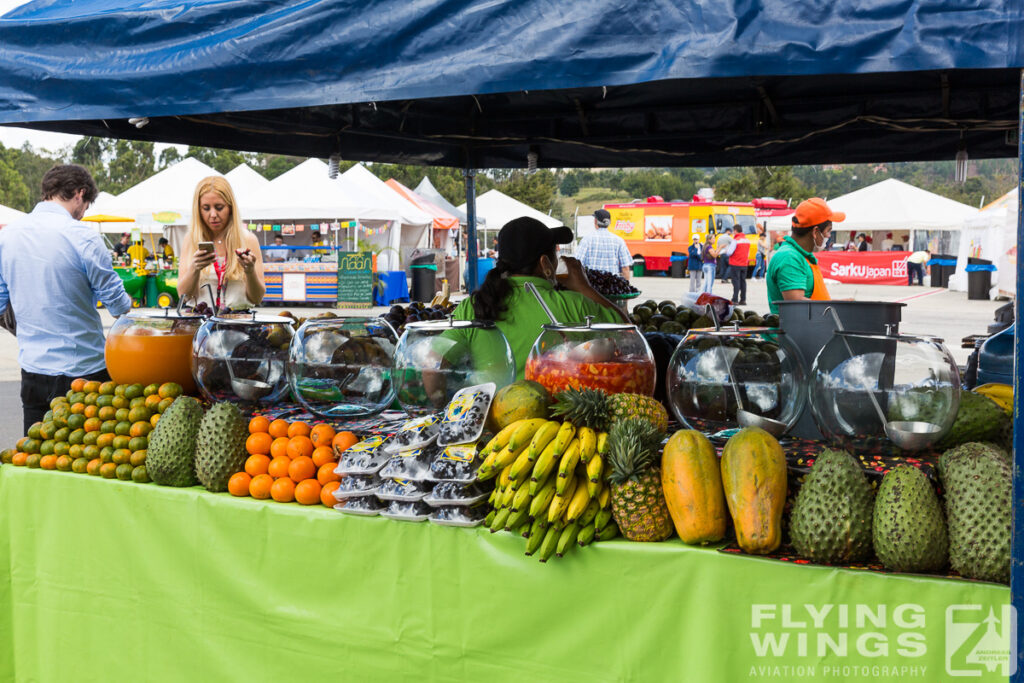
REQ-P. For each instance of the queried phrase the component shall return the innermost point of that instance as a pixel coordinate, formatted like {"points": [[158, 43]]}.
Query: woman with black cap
{"points": [[528, 252]]}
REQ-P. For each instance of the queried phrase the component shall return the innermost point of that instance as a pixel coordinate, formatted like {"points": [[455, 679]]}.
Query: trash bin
{"points": [[423, 281], [678, 265], [941, 266], [483, 266], [639, 267], [979, 278]]}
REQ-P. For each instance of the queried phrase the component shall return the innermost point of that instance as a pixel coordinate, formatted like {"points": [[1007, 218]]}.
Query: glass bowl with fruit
{"points": [[434, 359], [241, 358], [398, 316], [736, 376], [612, 357], [342, 367], [147, 347]]}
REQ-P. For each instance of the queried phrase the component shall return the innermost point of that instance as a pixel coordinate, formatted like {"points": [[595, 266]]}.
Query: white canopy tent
{"points": [[7, 214], [414, 231], [247, 184], [991, 234], [498, 209], [164, 198]]}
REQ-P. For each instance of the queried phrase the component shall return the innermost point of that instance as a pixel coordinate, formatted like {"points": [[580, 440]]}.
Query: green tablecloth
{"points": [[114, 581]]}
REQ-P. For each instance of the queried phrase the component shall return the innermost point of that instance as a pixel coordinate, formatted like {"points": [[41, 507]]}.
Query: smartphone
{"points": [[206, 246]]}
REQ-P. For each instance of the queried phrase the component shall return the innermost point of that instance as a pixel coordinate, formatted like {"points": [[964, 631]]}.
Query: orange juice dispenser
{"points": [[150, 347]]}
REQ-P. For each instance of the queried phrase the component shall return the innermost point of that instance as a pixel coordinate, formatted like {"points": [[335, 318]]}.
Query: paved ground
{"points": [[936, 312]]}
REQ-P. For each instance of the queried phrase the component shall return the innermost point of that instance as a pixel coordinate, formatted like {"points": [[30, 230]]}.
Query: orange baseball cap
{"points": [[815, 211]]}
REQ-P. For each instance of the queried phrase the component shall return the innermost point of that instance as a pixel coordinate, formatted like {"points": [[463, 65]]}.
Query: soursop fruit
{"points": [[831, 518], [979, 506], [979, 418], [909, 530], [170, 460], [220, 446]]}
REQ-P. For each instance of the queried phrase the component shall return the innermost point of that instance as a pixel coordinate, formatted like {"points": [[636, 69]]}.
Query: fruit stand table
{"points": [[109, 580]]}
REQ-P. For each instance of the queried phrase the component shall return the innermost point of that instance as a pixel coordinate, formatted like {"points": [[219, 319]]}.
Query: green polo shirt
{"points": [[524, 317], [789, 269]]}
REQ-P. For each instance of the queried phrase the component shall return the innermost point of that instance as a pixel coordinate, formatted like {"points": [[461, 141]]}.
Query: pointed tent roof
{"points": [[7, 214], [498, 209], [305, 192], [427, 190], [442, 219], [375, 190], [894, 205], [169, 191], [247, 184]]}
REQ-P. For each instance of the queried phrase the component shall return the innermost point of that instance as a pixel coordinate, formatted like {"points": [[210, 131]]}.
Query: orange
{"points": [[299, 446], [257, 464], [77, 408], [279, 447], [105, 440], [91, 411], [322, 455], [307, 492], [108, 470], [19, 459], [327, 494], [278, 428], [92, 424], [322, 435], [48, 462], [343, 440], [258, 443], [326, 473], [152, 401], [238, 484], [298, 429], [77, 384], [91, 387], [259, 424], [301, 468], [93, 467], [141, 428], [259, 486], [278, 467], [283, 490], [153, 420]]}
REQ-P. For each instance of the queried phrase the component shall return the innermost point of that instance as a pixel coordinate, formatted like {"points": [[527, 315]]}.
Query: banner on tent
{"points": [[865, 267]]}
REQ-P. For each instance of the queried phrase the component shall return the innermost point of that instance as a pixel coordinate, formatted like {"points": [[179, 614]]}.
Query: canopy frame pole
{"points": [[1017, 549], [471, 253]]}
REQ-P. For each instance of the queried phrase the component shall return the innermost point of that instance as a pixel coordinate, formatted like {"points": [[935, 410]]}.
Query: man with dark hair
{"points": [[604, 250], [53, 270], [737, 257], [121, 248]]}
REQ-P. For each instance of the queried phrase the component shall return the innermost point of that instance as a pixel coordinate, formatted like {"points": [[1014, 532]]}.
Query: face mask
{"points": [[819, 247]]}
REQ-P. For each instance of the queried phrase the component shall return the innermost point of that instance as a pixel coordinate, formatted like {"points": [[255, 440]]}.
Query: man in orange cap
{"points": [[793, 272]]}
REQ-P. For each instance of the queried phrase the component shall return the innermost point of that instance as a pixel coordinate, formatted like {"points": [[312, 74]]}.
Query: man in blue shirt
{"points": [[53, 270], [602, 250]]}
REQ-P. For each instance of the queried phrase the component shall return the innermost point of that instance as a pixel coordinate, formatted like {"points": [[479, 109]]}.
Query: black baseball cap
{"points": [[524, 240]]}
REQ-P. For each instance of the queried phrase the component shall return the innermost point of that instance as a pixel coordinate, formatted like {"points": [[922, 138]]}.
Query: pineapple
{"points": [[598, 410], [638, 504]]}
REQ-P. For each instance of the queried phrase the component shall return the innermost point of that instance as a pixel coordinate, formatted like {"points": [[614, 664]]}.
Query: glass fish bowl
{"points": [[241, 358], [435, 359], [152, 347], [611, 357], [736, 377], [343, 367], [878, 390]]}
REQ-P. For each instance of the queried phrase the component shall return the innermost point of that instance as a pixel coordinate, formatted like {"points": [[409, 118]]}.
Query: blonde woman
{"points": [[234, 267]]}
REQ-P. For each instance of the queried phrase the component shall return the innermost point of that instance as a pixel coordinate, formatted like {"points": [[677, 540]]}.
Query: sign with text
{"points": [[864, 267], [355, 279]]}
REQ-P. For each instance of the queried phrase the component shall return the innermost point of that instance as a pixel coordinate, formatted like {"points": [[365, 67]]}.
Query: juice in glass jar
{"points": [[636, 377], [150, 358]]}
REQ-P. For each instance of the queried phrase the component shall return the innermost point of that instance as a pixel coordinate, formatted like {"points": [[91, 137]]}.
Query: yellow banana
{"points": [[567, 465], [602, 442], [561, 501], [521, 469], [604, 497], [594, 470], [486, 470], [538, 485], [578, 504], [545, 435], [542, 500], [545, 463], [588, 443], [500, 440], [565, 434], [1002, 394], [508, 495], [522, 436], [503, 478], [506, 456]]}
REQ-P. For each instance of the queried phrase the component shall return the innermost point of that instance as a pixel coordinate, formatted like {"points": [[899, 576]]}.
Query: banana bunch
{"points": [[551, 485], [1002, 394]]}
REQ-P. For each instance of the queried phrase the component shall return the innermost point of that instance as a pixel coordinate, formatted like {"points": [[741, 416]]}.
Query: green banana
{"points": [[567, 465], [586, 535], [550, 542], [538, 485], [489, 518], [561, 501], [523, 529], [527, 428], [579, 502], [607, 533], [590, 513], [515, 518], [521, 500], [498, 522], [545, 435], [545, 462], [542, 500], [538, 529], [604, 515], [588, 443], [567, 538]]}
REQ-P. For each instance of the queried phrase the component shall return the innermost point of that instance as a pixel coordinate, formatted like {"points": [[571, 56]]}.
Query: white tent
{"points": [[498, 209], [414, 222], [247, 184], [164, 197], [7, 214], [991, 234]]}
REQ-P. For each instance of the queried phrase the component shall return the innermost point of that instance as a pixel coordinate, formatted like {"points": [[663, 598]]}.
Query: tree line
{"points": [[119, 164]]}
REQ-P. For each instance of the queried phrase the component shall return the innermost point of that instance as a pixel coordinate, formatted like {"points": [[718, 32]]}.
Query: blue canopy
{"points": [[482, 83]]}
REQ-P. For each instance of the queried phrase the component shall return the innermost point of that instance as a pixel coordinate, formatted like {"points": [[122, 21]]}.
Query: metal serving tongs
{"points": [[908, 435], [743, 416]]}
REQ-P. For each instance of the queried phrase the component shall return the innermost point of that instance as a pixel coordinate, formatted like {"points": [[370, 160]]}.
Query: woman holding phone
{"points": [[218, 252]]}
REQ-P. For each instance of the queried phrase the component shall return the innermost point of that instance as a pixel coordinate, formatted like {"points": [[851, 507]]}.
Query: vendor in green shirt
{"points": [[793, 272], [528, 252]]}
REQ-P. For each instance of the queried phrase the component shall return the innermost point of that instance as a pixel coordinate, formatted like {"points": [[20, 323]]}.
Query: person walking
{"points": [[915, 266], [738, 255], [709, 255], [603, 250], [694, 264], [761, 258], [53, 270]]}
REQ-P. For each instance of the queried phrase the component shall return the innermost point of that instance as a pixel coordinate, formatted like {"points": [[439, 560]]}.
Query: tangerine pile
{"points": [[97, 428], [291, 461]]}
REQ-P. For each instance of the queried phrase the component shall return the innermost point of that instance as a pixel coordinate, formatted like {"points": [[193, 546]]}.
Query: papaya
{"points": [[692, 483], [518, 401], [754, 479]]}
